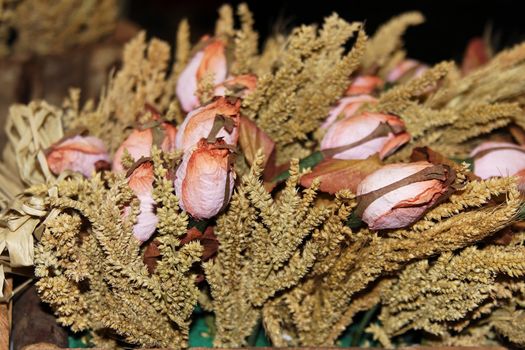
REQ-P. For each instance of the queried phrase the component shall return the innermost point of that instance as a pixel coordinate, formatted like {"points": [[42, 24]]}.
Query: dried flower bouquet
{"points": [[295, 186]]}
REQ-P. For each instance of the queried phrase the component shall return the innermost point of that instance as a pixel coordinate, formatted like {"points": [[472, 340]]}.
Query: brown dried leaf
{"points": [[337, 174], [151, 255], [207, 239], [476, 55], [252, 138]]}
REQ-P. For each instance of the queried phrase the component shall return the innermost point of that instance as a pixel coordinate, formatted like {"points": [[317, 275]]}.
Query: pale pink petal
{"points": [[498, 162], [187, 83], [147, 220]]}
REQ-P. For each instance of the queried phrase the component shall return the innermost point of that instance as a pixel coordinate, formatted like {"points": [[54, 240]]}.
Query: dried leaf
{"points": [[337, 174], [476, 55], [252, 138], [207, 239], [151, 254]]}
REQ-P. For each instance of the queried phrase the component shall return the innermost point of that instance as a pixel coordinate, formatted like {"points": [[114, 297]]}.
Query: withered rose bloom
{"points": [[218, 119], [140, 141], [347, 107], [360, 136], [83, 154], [495, 159], [406, 70], [239, 86], [204, 180], [209, 60], [140, 180], [364, 84], [397, 195]]}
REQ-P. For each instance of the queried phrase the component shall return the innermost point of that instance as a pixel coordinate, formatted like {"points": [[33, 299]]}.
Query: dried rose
{"points": [[358, 137], [219, 118], [210, 60], [347, 106], [140, 180], [204, 179], [397, 195], [140, 141], [498, 159], [83, 154], [364, 84], [406, 70], [240, 86]]}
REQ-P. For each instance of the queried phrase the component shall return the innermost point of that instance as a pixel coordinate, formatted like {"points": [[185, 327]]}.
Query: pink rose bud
{"points": [[498, 159], [364, 84], [204, 179], [140, 180], [83, 154], [406, 70], [140, 141], [218, 119], [397, 195], [360, 136], [210, 60], [347, 106], [240, 86]]}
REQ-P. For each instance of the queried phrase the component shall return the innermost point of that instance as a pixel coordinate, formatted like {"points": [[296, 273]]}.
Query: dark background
{"points": [[449, 24]]}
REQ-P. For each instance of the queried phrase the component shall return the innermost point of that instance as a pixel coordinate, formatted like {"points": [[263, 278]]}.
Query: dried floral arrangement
{"points": [[300, 186]]}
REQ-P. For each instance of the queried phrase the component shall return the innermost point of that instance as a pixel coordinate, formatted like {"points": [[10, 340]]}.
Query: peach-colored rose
{"points": [[406, 70], [347, 106], [364, 84], [241, 85], [210, 60], [397, 195], [83, 154], [204, 180], [140, 141], [498, 159], [141, 182], [199, 123], [360, 136]]}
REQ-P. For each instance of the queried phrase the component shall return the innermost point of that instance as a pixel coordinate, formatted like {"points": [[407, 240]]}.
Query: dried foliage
{"points": [[266, 245], [384, 49], [50, 27], [312, 72], [446, 296], [91, 270], [323, 305]]}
